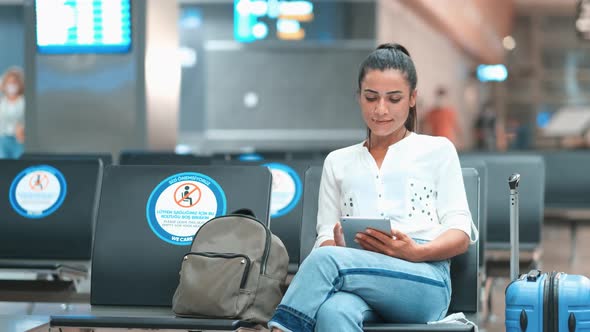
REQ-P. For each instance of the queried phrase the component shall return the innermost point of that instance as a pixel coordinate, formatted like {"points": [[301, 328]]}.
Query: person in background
{"points": [[486, 128], [12, 114], [415, 181], [519, 134], [442, 120]]}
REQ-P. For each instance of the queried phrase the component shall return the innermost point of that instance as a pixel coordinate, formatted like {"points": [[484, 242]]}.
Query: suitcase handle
{"points": [[513, 182], [533, 275]]}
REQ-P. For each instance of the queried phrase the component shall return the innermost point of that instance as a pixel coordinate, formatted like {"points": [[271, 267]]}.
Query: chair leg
{"points": [[483, 302], [489, 312], [573, 239]]}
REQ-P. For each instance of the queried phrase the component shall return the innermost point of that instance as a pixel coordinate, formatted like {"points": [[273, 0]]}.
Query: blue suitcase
{"points": [[548, 302], [543, 302]]}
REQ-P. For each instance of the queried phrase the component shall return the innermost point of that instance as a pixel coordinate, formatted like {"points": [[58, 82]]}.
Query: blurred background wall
{"points": [[207, 92], [85, 102], [11, 36]]}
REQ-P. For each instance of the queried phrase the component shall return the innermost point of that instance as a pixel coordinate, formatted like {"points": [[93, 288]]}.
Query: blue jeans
{"points": [[10, 148], [337, 289]]}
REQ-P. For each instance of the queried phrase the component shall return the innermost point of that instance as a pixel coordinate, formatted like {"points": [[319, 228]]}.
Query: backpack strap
{"points": [[245, 211]]}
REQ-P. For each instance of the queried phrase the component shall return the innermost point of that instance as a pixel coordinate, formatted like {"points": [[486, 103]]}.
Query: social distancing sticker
{"points": [[181, 204], [38, 191], [286, 189]]}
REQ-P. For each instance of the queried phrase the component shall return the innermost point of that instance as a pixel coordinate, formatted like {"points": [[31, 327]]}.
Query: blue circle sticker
{"points": [[181, 204], [286, 189], [37, 191]]}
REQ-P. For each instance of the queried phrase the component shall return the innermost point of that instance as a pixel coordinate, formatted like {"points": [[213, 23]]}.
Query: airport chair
{"points": [[532, 191], [161, 158], [531, 209], [106, 158], [567, 190], [481, 168], [317, 156], [464, 268], [48, 216], [135, 270]]}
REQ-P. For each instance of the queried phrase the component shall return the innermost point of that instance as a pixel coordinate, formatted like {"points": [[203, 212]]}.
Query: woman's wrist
{"points": [[328, 243], [420, 252]]}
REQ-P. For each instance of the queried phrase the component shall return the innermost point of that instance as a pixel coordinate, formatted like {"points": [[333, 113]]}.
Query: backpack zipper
{"points": [[266, 244], [221, 255]]}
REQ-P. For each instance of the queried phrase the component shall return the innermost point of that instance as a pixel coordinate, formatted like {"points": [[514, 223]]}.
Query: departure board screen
{"points": [[83, 26]]}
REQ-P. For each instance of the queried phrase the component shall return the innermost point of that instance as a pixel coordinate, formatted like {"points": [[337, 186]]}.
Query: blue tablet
{"points": [[353, 225]]}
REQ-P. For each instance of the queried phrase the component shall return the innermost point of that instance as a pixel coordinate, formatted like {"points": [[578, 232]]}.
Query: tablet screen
{"points": [[353, 225]]}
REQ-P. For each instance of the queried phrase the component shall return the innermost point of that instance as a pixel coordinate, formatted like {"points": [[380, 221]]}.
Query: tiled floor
{"points": [[556, 256]]}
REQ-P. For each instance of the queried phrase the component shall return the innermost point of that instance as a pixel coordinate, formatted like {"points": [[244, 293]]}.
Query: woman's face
{"points": [[385, 100]]}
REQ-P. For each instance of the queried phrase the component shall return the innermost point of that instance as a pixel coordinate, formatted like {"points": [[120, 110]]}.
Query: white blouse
{"points": [[419, 187]]}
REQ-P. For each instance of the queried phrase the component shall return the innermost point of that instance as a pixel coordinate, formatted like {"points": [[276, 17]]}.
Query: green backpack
{"points": [[236, 269]]}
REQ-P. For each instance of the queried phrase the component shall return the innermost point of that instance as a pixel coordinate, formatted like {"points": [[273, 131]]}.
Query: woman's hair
{"points": [[17, 73], [393, 56]]}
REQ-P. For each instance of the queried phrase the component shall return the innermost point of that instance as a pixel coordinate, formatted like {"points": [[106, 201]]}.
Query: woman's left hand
{"points": [[396, 244]]}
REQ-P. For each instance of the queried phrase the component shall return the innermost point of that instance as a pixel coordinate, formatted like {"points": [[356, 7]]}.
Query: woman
{"points": [[416, 181], [12, 114]]}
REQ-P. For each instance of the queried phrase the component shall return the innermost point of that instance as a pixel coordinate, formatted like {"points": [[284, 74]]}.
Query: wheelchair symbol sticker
{"points": [[181, 204], [286, 189], [37, 191]]}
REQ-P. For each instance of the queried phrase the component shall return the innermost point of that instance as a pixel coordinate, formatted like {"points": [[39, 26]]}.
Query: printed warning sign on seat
{"points": [[286, 189], [181, 204], [37, 191]]}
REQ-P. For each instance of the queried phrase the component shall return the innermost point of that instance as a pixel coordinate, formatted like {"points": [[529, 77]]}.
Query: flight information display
{"points": [[83, 26]]}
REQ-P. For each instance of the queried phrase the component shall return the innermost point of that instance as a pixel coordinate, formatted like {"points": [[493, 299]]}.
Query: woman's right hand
{"points": [[338, 238]]}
